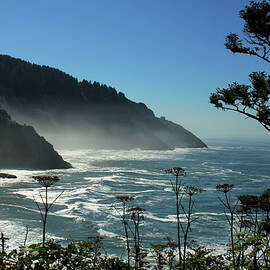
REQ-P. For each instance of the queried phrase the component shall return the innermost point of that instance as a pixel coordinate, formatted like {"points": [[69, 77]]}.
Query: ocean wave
{"points": [[90, 188], [104, 233], [93, 155]]}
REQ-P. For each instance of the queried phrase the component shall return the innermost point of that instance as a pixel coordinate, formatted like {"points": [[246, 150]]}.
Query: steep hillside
{"points": [[22, 147], [76, 114]]}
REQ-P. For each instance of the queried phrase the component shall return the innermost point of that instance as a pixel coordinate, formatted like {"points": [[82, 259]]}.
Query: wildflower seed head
{"points": [[136, 209], [46, 181], [124, 199], [192, 190], [176, 171], [225, 188], [249, 201]]}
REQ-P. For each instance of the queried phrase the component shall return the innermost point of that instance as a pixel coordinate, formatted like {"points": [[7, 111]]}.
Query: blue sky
{"points": [[168, 54]]}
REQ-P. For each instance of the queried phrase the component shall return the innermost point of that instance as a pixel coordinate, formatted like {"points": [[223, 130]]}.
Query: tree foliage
{"points": [[256, 31], [23, 79], [250, 100]]}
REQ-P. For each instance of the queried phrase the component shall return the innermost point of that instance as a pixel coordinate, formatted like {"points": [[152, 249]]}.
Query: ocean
{"points": [[88, 206]]}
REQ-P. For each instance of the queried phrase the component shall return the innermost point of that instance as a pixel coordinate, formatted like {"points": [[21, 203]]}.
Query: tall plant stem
{"points": [[126, 232], [178, 220], [186, 232], [231, 228], [45, 216]]}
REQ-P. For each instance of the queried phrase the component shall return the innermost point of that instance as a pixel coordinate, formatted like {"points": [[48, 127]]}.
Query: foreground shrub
{"points": [[81, 255], [201, 258]]}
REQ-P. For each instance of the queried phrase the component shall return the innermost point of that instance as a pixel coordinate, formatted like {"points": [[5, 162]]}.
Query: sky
{"points": [[168, 54]]}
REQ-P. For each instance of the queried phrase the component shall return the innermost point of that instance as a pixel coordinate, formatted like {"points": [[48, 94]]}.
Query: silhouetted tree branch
{"points": [[250, 100], [256, 31]]}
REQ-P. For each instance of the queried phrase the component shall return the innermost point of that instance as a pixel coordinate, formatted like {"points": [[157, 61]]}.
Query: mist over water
{"points": [[109, 126], [88, 205]]}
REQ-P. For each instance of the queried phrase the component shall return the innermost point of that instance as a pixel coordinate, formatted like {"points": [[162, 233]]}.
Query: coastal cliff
{"points": [[73, 114], [22, 148]]}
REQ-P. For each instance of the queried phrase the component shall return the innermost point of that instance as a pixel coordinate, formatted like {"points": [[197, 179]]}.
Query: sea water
{"points": [[88, 206]]}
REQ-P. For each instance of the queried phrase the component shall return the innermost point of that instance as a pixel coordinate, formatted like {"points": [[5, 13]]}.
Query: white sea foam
{"points": [[99, 176], [104, 233], [14, 206], [208, 214], [92, 155], [256, 180], [168, 218], [22, 176], [16, 233]]}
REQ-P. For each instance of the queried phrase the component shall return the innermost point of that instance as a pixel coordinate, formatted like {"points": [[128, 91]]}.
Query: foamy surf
{"points": [[88, 205]]}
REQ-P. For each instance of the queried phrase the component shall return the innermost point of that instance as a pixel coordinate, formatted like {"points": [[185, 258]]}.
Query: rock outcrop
{"points": [[22, 148], [7, 175]]}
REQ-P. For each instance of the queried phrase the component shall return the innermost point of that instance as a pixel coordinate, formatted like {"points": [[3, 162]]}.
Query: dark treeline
{"points": [[62, 108], [33, 81]]}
